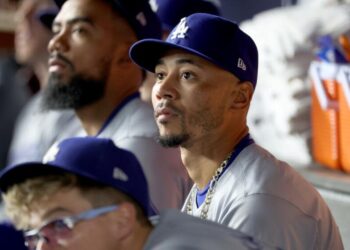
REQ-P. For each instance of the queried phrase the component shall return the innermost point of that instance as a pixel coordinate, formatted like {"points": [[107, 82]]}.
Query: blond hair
{"points": [[21, 199]]}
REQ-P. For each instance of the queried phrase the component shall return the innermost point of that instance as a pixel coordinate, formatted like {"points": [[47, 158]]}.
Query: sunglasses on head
{"points": [[61, 229]]}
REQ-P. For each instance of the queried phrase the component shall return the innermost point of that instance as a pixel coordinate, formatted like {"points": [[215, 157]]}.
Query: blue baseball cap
{"points": [[10, 237], [47, 16], [211, 37], [170, 12], [138, 14], [94, 158]]}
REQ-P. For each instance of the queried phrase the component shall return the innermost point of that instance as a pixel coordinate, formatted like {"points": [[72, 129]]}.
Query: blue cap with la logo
{"points": [[94, 158], [211, 37]]}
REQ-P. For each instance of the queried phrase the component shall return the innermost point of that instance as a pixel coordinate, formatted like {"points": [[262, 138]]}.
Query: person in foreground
{"points": [[31, 39], [89, 194], [205, 82]]}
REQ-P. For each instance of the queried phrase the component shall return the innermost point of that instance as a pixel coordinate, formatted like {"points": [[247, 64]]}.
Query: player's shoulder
{"points": [[256, 172], [140, 114], [194, 233], [135, 119], [259, 169]]}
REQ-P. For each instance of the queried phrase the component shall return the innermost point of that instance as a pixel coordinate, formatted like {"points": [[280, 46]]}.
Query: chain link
{"points": [[210, 193]]}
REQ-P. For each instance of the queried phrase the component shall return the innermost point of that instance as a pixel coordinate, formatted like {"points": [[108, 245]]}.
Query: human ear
{"points": [[124, 220], [242, 95]]}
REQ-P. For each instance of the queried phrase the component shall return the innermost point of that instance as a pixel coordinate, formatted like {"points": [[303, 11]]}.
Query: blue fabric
{"points": [[201, 194], [47, 16], [10, 238], [221, 42], [94, 158]]}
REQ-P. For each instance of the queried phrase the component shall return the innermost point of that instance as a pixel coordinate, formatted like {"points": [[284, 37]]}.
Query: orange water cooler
{"points": [[343, 80], [325, 114]]}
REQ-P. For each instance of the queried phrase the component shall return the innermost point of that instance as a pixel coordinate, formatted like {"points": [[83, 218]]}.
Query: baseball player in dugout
{"points": [[90, 195], [30, 141], [90, 71], [205, 82]]}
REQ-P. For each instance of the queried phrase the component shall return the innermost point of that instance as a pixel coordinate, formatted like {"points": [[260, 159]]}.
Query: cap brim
{"points": [[19, 173], [147, 53]]}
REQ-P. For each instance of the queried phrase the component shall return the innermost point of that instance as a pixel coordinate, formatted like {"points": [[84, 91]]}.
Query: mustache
{"points": [[62, 58], [167, 105]]}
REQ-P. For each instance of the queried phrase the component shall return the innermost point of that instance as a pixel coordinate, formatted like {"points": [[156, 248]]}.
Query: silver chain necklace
{"points": [[210, 193]]}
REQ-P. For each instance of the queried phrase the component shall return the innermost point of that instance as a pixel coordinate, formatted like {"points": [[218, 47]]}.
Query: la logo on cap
{"points": [[51, 154], [154, 5], [180, 30]]}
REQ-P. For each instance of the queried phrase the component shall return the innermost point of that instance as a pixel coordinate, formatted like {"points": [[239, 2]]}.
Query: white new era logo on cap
{"points": [[241, 64], [119, 174], [180, 30]]}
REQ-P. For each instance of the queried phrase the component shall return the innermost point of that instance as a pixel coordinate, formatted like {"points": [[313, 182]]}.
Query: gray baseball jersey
{"points": [[36, 130], [179, 231], [133, 128], [269, 200]]}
